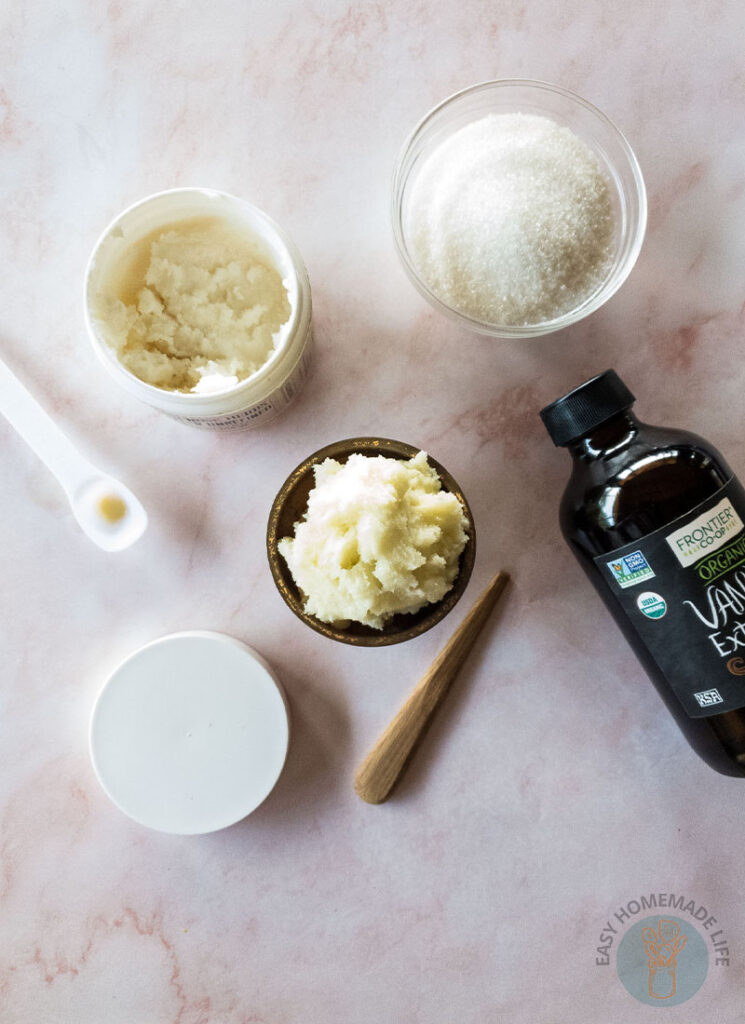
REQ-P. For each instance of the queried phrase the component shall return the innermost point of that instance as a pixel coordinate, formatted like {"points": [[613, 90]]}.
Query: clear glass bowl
{"points": [[510, 96]]}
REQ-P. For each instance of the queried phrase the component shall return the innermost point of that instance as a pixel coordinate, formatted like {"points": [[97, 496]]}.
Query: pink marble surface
{"points": [[555, 788]]}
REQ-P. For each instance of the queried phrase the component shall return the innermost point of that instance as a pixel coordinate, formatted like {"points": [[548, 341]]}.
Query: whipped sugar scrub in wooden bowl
{"points": [[518, 208], [370, 541], [199, 305]]}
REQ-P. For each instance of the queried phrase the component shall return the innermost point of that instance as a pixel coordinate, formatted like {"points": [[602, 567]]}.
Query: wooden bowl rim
{"points": [[365, 636]]}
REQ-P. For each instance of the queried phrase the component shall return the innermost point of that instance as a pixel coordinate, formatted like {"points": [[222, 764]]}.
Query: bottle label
{"points": [[683, 591]]}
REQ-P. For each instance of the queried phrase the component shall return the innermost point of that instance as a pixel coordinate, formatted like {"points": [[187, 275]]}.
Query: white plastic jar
{"points": [[269, 390]]}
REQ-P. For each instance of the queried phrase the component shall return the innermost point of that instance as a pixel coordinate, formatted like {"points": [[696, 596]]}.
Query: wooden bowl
{"points": [[289, 507]]}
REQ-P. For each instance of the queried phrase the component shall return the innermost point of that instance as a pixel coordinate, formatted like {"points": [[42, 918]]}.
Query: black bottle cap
{"points": [[586, 407]]}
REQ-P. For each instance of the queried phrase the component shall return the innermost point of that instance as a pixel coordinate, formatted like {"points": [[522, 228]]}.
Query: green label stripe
{"points": [[712, 567]]}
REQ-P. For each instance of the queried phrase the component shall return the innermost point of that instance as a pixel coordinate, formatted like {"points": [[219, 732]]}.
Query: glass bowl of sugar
{"points": [[518, 208]]}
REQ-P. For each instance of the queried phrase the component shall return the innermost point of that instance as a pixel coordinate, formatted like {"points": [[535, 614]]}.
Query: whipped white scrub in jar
{"points": [[200, 306]]}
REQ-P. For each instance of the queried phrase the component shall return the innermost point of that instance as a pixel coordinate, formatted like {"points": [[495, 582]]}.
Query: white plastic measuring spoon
{"points": [[106, 510]]}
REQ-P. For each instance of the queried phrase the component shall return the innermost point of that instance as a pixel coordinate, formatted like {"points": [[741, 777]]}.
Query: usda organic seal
{"points": [[652, 605]]}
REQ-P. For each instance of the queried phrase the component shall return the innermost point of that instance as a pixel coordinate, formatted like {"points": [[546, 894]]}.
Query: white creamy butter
{"points": [[379, 537], [193, 306]]}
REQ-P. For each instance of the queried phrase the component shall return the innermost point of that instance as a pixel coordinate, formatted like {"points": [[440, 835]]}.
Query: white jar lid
{"points": [[189, 734]]}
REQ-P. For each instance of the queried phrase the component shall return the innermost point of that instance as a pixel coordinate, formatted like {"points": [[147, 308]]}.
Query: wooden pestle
{"points": [[386, 762]]}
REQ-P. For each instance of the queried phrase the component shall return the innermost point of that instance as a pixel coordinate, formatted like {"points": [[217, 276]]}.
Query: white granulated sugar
{"points": [[511, 220]]}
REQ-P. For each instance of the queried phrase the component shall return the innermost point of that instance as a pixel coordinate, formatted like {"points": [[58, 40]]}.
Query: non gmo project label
{"points": [[630, 569]]}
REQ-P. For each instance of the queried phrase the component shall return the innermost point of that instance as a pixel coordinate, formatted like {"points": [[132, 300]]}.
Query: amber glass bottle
{"points": [[657, 521]]}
